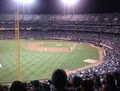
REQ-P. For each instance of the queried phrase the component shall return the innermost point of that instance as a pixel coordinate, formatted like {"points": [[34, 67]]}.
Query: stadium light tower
{"points": [[69, 4]]}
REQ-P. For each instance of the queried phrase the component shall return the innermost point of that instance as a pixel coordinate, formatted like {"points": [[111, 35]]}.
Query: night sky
{"points": [[55, 7]]}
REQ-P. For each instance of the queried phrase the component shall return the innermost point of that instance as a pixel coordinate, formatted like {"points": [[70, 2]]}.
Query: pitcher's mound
{"points": [[90, 61]]}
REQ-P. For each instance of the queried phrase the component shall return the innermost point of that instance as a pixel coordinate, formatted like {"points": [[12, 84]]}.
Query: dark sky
{"points": [[55, 7]]}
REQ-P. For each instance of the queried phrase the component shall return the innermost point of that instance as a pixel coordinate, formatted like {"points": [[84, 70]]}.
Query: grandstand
{"points": [[102, 30], [87, 22]]}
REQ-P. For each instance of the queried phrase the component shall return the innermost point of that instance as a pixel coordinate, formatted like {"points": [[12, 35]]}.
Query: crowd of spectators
{"points": [[81, 18], [61, 82], [84, 22]]}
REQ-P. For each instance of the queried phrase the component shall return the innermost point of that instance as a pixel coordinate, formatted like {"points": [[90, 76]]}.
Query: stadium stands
{"points": [[98, 29], [85, 22]]}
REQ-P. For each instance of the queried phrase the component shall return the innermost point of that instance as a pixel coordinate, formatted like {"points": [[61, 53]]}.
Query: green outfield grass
{"points": [[40, 65]]}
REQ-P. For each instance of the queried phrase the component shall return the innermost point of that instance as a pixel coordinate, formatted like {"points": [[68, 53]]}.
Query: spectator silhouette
{"points": [[97, 83], [37, 86], [110, 83], [87, 85], [76, 81], [2, 88], [17, 86], [59, 79]]}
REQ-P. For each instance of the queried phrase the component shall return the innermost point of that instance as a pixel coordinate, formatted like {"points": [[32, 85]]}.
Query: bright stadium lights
{"points": [[70, 2], [69, 6], [26, 4], [25, 1]]}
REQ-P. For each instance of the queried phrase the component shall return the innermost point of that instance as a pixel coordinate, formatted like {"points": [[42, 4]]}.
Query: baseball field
{"points": [[39, 58]]}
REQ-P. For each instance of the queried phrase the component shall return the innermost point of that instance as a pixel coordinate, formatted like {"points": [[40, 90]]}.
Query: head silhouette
{"points": [[17, 86], [59, 78]]}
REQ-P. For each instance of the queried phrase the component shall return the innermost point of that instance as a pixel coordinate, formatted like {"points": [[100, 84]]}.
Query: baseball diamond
{"points": [[39, 58]]}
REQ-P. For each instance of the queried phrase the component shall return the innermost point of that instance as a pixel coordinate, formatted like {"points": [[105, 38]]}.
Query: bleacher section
{"points": [[84, 22]]}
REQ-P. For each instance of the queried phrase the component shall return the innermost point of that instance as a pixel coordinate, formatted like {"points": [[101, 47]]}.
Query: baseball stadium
{"points": [[85, 47], [34, 53]]}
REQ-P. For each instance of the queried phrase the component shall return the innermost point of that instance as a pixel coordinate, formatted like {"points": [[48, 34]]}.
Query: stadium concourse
{"points": [[100, 29]]}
